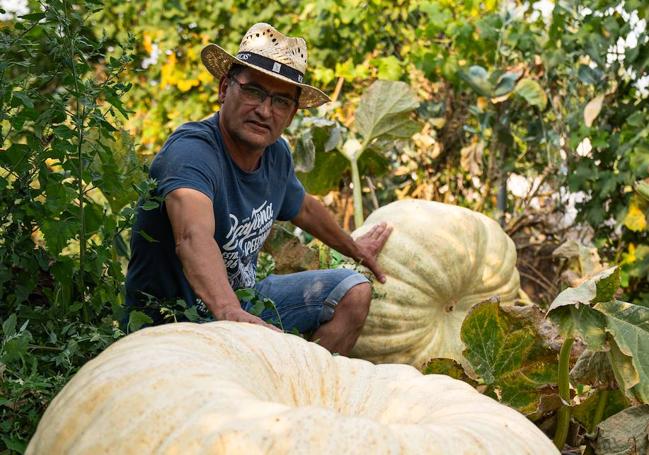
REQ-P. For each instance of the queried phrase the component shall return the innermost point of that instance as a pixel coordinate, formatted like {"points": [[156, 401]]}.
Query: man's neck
{"points": [[246, 158]]}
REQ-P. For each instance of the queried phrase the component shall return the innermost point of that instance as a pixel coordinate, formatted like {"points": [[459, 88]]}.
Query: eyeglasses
{"points": [[252, 94]]}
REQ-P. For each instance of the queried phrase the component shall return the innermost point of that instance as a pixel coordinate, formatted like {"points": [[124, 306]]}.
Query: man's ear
{"points": [[223, 87]]}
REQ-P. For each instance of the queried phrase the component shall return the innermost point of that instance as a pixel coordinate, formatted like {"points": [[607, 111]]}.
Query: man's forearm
{"points": [[319, 222], [205, 270]]}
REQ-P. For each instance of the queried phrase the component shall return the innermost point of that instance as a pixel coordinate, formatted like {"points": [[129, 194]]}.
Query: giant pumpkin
{"points": [[440, 260], [236, 388]]}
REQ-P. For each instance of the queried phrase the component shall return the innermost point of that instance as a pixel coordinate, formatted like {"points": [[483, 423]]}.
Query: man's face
{"points": [[254, 125]]}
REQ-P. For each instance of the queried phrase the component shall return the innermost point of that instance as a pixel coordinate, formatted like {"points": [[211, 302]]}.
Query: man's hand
{"points": [[239, 315], [370, 245], [314, 218]]}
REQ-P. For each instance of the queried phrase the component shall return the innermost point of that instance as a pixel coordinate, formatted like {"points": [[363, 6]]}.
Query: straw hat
{"points": [[269, 51]]}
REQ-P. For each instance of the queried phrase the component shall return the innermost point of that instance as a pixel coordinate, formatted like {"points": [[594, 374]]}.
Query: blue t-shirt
{"points": [[245, 205]]}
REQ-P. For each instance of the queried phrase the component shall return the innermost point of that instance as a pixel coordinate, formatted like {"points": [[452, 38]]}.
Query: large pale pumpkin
{"points": [[236, 388], [440, 260]]}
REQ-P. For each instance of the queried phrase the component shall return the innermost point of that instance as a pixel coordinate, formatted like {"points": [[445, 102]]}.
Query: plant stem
{"points": [[563, 419], [358, 194], [599, 411], [79, 121]]}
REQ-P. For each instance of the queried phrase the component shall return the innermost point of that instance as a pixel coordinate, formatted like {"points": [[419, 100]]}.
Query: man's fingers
{"points": [[256, 320], [384, 234], [376, 270], [378, 273], [378, 230], [244, 316]]}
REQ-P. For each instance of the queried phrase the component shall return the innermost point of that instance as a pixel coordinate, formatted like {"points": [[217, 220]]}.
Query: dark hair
{"points": [[237, 68]]}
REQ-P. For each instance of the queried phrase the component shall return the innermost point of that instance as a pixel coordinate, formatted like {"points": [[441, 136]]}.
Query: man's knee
{"points": [[356, 304]]}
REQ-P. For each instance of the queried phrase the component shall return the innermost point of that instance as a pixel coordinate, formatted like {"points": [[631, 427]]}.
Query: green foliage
{"points": [[628, 326], [448, 367], [592, 313], [67, 173], [586, 413], [382, 116], [504, 348]]}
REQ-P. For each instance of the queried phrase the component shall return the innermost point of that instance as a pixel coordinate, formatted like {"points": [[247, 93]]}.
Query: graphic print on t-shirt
{"points": [[243, 242]]}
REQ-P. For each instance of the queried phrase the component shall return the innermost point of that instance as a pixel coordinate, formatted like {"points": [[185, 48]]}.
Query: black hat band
{"points": [[271, 65]]}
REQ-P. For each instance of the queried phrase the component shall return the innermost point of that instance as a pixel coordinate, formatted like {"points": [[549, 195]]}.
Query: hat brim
{"points": [[218, 61]]}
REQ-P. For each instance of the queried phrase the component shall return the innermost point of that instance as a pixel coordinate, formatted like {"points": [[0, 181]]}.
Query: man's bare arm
{"points": [[314, 218], [192, 221]]}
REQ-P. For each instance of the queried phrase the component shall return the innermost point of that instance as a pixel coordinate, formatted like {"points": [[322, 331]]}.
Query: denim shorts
{"points": [[305, 300]]}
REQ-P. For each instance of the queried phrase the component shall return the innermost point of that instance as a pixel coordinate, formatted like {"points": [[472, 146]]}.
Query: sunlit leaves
{"points": [[592, 109], [635, 218], [384, 111], [599, 288], [531, 91]]}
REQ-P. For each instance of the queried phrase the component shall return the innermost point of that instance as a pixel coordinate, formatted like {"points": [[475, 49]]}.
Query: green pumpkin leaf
{"points": [[628, 324], [448, 367], [599, 288], [326, 173], [150, 205], [573, 312], [384, 111], [504, 348], [304, 152], [319, 136], [26, 100], [593, 368], [191, 314], [246, 294], [57, 234], [589, 75]]}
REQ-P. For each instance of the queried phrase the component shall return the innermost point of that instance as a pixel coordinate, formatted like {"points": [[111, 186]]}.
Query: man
{"points": [[224, 181]]}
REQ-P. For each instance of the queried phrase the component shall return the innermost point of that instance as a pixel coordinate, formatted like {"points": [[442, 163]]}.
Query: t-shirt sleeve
{"points": [[295, 192], [188, 161]]}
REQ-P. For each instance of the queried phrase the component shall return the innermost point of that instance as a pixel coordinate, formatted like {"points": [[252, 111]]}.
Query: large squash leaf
{"points": [[504, 347], [591, 312], [629, 326], [573, 312], [599, 288], [318, 135], [448, 367], [325, 175], [385, 110]]}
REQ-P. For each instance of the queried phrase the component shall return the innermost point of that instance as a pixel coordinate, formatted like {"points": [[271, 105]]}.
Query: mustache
{"points": [[259, 123]]}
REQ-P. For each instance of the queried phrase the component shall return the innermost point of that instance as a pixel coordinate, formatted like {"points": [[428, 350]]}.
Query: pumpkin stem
{"points": [[563, 420], [358, 194]]}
